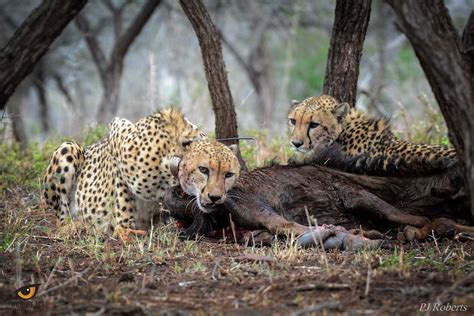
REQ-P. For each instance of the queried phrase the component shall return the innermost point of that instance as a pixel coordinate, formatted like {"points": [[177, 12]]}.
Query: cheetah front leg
{"points": [[124, 213]]}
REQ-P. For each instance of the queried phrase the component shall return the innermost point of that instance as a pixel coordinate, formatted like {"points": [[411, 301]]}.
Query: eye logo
{"points": [[27, 292]]}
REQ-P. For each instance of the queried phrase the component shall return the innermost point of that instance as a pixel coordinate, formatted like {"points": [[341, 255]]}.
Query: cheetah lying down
{"points": [[331, 133]]}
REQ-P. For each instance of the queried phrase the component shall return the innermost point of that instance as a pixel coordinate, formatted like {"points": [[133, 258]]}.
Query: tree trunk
{"points": [[257, 66], [448, 68], [65, 91], [266, 92], [108, 106], [347, 40], [110, 69], [14, 109], [38, 82], [31, 41], [377, 82], [216, 73]]}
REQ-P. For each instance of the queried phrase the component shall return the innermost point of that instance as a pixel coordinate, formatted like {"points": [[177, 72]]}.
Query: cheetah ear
{"points": [[234, 148], [174, 166], [341, 110], [294, 102]]}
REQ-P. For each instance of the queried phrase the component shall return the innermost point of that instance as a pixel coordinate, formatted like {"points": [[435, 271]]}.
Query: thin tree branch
{"points": [[468, 34], [110, 6], [99, 26], [262, 26], [126, 39], [94, 48], [62, 88], [9, 20], [238, 56], [117, 13]]}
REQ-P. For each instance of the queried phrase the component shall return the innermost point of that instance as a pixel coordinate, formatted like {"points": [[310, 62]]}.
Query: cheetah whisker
{"points": [[191, 201], [235, 196]]}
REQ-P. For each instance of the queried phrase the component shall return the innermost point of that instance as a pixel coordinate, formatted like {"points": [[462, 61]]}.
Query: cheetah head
{"points": [[207, 171], [185, 131], [315, 123]]}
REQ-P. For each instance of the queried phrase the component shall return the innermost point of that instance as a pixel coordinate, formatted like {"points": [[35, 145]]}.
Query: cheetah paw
{"points": [[123, 233]]}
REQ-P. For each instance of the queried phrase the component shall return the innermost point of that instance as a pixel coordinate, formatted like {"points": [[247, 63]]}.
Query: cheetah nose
{"points": [[214, 198], [296, 144]]}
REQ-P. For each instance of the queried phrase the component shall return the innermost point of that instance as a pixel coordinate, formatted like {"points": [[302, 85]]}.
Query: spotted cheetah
{"points": [[332, 133], [207, 171], [102, 183]]}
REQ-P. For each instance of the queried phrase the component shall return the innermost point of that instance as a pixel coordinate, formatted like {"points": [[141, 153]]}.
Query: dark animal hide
{"points": [[276, 199]]}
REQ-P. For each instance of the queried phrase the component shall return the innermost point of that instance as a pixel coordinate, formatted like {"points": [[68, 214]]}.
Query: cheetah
{"points": [[207, 171], [331, 133], [102, 183]]}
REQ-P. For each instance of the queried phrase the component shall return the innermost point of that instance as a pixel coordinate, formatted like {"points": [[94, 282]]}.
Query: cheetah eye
{"points": [[313, 125], [229, 174], [187, 143], [204, 170], [292, 121]]}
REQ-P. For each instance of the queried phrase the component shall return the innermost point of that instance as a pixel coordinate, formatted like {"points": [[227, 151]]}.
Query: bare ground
{"points": [[161, 274]]}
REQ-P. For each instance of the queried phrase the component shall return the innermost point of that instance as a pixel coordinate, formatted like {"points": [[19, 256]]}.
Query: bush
{"points": [[263, 150], [26, 167]]}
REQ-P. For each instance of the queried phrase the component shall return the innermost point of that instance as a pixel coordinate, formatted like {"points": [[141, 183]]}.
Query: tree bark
{"points": [[64, 90], [31, 41], [448, 67], [14, 109], [110, 69], [266, 95], [257, 66], [347, 41], [215, 69], [38, 83]]}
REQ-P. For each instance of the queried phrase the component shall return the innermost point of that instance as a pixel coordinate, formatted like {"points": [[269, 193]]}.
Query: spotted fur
{"points": [[102, 183], [332, 133], [208, 170]]}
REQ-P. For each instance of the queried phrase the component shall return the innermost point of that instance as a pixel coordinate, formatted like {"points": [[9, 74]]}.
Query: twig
{"points": [[464, 237], [232, 226], [71, 267], [214, 269], [323, 286], [326, 263], [13, 241], [143, 281], [52, 272], [65, 283], [367, 283], [47, 237], [18, 264], [435, 241], [453, 287], [317, 308]]}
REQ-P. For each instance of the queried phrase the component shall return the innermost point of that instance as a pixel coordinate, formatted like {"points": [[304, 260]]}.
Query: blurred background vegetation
{"points": [[275, 51]]}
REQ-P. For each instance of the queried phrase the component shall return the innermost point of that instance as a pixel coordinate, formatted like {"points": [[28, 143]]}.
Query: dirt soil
{"points": [[161, 274]]}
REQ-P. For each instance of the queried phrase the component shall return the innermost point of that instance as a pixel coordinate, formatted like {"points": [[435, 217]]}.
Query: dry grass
{"points": [[83, 272]]}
